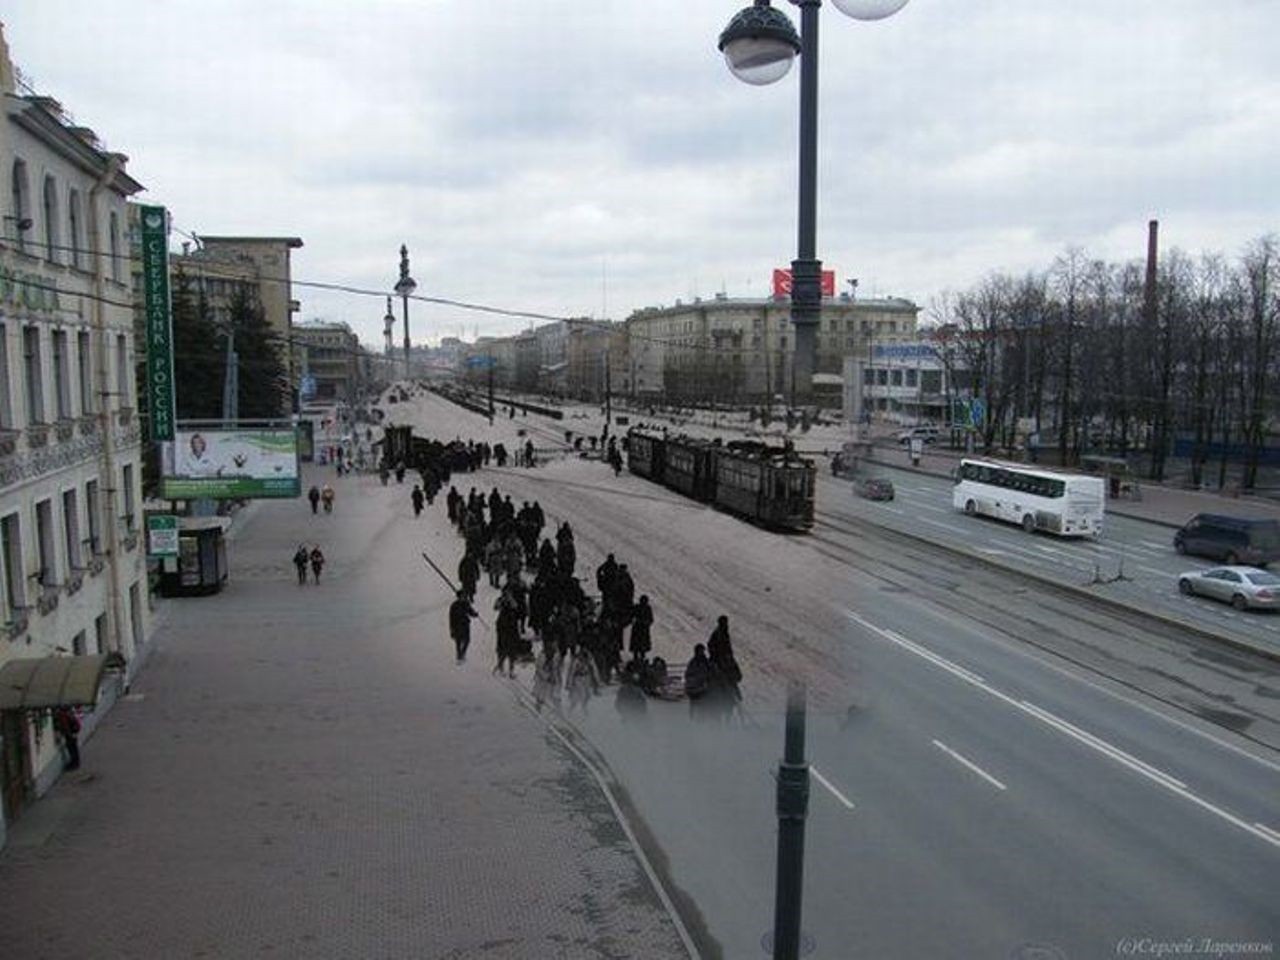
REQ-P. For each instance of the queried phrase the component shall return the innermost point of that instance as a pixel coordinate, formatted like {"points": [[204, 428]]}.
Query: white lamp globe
{"points": [[869, 9], [758, 60]]}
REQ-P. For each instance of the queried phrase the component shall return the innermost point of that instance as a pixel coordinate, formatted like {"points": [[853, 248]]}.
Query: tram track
{"points": [[1105, 646]]}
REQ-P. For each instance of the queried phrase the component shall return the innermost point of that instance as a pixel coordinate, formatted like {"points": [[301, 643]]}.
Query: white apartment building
{"points": [[73, 579]]}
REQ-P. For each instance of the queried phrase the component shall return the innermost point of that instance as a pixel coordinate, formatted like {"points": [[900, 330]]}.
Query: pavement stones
{"points": [[305, 772]]}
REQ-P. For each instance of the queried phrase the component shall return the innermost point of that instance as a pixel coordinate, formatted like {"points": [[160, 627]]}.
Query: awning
{"points": [[38, 683]]}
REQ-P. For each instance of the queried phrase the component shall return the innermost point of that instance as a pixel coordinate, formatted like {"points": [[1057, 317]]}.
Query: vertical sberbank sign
{"points": [[155, 286]]}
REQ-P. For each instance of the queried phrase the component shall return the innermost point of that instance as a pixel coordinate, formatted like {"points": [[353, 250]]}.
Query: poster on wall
{"points": [[231, 464]]}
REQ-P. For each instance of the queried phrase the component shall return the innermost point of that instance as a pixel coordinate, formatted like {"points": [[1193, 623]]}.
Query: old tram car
{"points": [[770, 485]]}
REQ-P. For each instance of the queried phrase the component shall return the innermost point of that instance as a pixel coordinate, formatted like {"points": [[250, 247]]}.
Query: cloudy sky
{"points": [[589, 157]]}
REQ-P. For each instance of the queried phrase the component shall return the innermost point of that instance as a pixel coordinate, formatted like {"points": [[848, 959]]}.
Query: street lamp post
{"points": [[388, 328], [404, 289], [759, 44]]}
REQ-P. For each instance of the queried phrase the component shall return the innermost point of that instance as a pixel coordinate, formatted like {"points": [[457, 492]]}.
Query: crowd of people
{"points": [[585, 642]]}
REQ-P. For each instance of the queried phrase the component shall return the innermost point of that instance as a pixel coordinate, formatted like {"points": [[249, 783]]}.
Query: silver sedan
{"points": [[1242, 587]]}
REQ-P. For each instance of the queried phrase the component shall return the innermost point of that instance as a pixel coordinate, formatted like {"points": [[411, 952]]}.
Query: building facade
{"points": [[741, 350], [327, 356], [73, 578]]}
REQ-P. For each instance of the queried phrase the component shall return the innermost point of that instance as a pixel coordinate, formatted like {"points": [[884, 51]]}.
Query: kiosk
{"points": [[200, 568]]}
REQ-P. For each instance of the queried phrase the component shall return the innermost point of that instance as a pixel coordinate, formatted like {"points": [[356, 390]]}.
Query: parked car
{"points": [[1243, 587], [874, 488], [1232, 540], [926, 434]]}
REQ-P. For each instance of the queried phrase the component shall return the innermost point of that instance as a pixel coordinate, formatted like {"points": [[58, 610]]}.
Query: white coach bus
{"points": [[1068, 504]]}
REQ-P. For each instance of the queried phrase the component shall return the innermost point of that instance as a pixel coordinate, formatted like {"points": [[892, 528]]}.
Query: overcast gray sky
{"points": [[589, 158]]}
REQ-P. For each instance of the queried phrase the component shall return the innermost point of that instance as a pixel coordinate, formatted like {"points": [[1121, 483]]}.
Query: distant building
{"points": [[327, 357], [740, 350], [73, 579]]}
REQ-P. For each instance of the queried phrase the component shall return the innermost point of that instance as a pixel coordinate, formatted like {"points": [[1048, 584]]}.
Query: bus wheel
{"points": [[1029, 523], [970, 507]]}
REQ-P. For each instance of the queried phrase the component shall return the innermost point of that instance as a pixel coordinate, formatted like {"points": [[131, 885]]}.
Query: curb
{"points": [[1081, 593]]}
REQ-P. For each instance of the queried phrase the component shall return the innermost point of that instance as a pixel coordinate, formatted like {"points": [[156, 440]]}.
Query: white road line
{"points": [[1162, 573], [1153, 774], [1102, 746], [971, 765], [827, 783], [890, 509]]}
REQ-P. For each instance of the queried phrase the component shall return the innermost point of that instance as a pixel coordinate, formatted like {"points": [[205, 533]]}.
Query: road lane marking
{"points": [[827, 783], [1102, 746], [890, 509], [970, 764], [1153, 774]]}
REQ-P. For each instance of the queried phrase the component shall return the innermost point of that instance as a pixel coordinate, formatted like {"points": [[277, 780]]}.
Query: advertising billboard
{"points": [[782, 283], [231, 464]]}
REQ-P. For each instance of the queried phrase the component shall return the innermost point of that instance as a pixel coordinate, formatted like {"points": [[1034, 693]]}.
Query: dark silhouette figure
{"points": [[317, 562], [300, 560], [460, 614], [314, 496], [67, 725]]}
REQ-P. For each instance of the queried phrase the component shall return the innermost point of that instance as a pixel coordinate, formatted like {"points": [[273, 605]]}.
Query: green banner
{"points": [[155, 286], [228, 488]]}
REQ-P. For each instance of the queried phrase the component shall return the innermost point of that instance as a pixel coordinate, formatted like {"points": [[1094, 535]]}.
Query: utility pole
{"points": [[491, 388], [792, 807], [608, 403]]}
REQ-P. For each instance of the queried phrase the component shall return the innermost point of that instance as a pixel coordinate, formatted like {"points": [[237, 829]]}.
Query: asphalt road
{"points": [[1002, 768], [1133, 561]]}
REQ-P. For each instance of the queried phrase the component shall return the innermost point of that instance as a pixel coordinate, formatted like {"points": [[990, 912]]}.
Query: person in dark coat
{"points": [[300, 560], [418, 498], [451, 503], [67, 726], [605, 574], [697, 680], [460, 614], [508, 635], [641, 622], [719, 647], [547, 559], [317, 562], [314, 496], [468, 574], [624, 592]]}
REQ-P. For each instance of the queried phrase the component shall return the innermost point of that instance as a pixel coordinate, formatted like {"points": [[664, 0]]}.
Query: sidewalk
{"points": [[305, 772], [1168, 506]]}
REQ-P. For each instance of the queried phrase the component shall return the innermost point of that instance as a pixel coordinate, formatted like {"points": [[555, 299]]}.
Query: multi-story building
{"points": [[224, 269], [738, 350], [73, 579], [328, 362]]}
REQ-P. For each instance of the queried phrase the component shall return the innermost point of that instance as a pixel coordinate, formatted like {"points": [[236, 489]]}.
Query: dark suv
{"points": [[1230, 539]]}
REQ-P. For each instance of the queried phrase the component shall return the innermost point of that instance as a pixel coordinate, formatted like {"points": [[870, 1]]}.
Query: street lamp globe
{"points": [[869, 9], [405, 287], [759, 44]]}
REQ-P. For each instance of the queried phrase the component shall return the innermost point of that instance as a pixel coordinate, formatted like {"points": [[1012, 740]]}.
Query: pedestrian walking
{"points": [[641, 622], [314, 496], [300, 560], [326, 497], [697, 681], [67, 725], [418, 499], [460, 614], [317, 562]]}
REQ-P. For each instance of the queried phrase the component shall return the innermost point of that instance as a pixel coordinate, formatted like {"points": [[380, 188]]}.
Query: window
{"points": [[92, 508], [127, 497], [47, 571], [15, 587], [84, 361], [100, 633], [61, 375], [50, 220], [897, 378], [122, 370], [114, 244], [912, 376], [35, 379], [71, 528], [75, 230], [78, 644], [21, 201], [6, 410]]}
